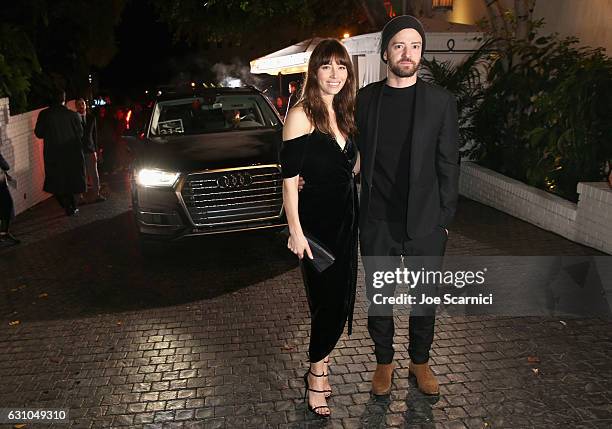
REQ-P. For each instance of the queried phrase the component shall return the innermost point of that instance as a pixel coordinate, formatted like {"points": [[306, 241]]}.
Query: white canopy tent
{"points": [[293, 59], [445, 42]]}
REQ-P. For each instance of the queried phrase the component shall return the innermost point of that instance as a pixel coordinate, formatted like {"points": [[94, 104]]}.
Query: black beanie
{"points": [[396, 25]]}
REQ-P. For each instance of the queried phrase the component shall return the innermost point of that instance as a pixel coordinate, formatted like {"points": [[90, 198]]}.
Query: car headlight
{"points": [[154, 177]]}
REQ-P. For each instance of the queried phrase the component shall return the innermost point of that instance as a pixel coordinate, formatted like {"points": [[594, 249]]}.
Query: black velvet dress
{"points": [[328, 211]]}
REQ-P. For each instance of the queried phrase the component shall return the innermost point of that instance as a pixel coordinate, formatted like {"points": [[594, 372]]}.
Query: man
{"points": [[61, 130], [90, 147], [106, 128], [408, 143], [293, 96]]}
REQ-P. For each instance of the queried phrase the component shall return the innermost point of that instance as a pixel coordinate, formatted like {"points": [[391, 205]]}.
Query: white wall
{"points": [[588, 222], [467, 11], [24, 153], [589, 20]]}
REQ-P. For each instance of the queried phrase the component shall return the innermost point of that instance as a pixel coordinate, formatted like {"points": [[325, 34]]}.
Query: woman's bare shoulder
{"points": [[297, 123]]}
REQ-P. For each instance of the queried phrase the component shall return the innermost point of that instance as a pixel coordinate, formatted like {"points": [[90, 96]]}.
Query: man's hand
{"points": [[301, 183]]}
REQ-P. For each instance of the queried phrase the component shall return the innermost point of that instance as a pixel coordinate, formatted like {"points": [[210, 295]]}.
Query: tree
{"points": [[78, 35], [465, 80], [200, 21], [18, 62], [50, 42], [375, 12], [505, 21]]}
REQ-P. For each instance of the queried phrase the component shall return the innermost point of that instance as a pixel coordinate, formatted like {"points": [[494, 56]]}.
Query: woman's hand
{"points": [[299, 245]]}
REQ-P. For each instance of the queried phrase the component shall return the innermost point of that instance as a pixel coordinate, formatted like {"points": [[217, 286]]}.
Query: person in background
{"points": [[90, 147], [139, 117], [61, 130], [294, 96], [122, 156], [105, 127], [6, 206], [279, 104]]}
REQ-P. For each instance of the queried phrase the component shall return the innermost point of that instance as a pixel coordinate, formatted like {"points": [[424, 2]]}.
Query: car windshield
{"points": [[200, 115]]}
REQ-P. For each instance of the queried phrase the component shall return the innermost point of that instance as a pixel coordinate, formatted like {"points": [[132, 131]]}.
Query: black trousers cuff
{"points": [[385, 357]]}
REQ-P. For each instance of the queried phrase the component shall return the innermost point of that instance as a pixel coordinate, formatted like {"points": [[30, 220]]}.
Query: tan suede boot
{"points": [[381, 381], [426, 380]]}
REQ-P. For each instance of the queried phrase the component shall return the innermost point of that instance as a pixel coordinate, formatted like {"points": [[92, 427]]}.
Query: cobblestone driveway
{"points": [[213, 333]]}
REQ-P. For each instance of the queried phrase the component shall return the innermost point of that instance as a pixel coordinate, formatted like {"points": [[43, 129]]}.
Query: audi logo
{"points": [[234, 181]]}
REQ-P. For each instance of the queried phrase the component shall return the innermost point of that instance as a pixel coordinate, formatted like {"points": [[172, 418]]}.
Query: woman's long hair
{"points": [[344, 102]]}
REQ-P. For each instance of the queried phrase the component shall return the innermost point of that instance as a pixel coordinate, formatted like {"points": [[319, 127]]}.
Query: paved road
{"points": [[213, 333]]}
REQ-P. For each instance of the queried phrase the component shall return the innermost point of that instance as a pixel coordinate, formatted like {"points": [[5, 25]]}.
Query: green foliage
{"points": [[541, 113], [18, 62], [51, 40], [200, 21], [544, 117], [464, 80]]}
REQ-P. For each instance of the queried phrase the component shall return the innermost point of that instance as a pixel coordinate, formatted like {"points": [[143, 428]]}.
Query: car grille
{"points": [[233, 196]]}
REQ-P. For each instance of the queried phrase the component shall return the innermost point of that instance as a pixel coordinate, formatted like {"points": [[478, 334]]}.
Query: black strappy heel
{"points": [[328, 392], [308, 389]]}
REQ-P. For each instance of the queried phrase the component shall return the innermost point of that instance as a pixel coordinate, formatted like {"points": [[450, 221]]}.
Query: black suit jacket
{"points": [[62, 132], [90, 134], [434, 155]]}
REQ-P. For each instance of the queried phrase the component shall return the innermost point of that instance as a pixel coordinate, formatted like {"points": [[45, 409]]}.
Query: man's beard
{"points": [[400, 71]]}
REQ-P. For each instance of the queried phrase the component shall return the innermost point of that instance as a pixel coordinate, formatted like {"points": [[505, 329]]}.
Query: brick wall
{"points": [[23, 151], [588, 222]]}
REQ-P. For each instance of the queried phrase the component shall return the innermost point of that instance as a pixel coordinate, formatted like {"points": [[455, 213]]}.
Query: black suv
{"points": [[207, 163]]}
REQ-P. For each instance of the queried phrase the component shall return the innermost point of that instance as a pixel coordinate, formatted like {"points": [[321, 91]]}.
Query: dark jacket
{"points": [[61, 130], [7, 208], [90, 134], [434, 155], [3, 164]]}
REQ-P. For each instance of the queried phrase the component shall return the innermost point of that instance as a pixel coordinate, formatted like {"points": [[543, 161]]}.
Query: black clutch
{"points": [[322, 257]]}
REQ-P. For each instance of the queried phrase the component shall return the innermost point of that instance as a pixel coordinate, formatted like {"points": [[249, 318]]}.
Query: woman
{"points": [[317, 147]]}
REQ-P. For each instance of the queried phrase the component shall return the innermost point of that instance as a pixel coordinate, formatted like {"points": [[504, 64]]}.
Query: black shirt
{"points": [[390, 181]]}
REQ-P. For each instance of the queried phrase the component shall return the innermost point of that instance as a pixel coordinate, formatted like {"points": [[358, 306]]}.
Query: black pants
{"points": [[6, 206], [67, 201], [388, 242]]}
